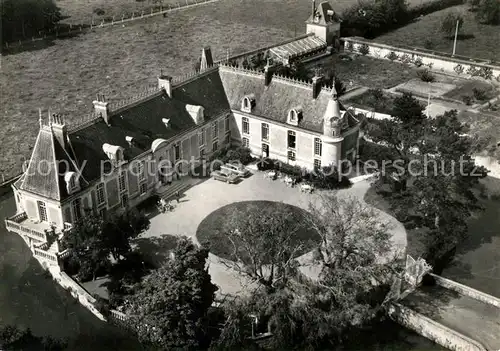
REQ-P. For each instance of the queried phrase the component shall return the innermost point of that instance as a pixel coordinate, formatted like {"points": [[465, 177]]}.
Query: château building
{"points": [[130, 151]]}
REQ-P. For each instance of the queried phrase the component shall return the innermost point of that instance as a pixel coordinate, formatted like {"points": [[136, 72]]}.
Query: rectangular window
{"points": [[77, 209], [291, 139], [201, 138], [317, 164], [202, 153], [124, 201], [291, 156], [121, 181], [226, 124], [140, 171], [246, 125], [245, 142], [100, 194], [228, 138], [215, 130], [144, 188], [177, 151], [42, 211], [265, 131], [317, 146], [214, 146]]}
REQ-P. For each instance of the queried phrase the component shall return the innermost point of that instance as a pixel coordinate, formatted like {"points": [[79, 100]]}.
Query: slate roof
{"points": [[45, 173], [274, 102], [142, 121], [324, 17], [217, 91]]}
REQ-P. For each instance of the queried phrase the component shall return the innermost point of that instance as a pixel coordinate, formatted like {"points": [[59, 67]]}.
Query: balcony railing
{"points": [[14, 224]]}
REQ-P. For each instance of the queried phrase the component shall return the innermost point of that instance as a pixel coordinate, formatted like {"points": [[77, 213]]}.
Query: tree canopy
{"points": [[304, 312], [488, 11], [93, 240], [169, 309], [449, 23], [431, 172], [23, 19]]}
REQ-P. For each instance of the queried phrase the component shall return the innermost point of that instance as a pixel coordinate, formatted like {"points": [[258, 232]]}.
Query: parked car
{"points": [[235, 168], [225, 176]]}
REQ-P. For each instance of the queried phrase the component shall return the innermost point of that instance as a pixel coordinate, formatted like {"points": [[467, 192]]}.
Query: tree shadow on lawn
{"points": [[156, 250]]}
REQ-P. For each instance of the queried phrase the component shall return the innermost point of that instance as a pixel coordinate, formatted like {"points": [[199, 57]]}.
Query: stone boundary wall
{"points": [[461, 65], [468, 291], [371, 114], [433, 330], [79, 293]]}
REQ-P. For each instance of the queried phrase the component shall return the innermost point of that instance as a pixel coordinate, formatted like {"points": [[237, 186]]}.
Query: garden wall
{"points": [[76, 290], [370, 113], [433, 330], [465, 290], [461, 65]]}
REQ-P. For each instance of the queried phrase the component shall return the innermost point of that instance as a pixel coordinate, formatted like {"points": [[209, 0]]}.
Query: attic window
{"points": [[129, 140], [166, 122], [72, 183], [293, 116], [248, 103], [114, 153]]}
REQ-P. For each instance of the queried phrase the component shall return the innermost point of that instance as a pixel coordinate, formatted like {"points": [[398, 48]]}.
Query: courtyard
{"points": [[200, 201]]}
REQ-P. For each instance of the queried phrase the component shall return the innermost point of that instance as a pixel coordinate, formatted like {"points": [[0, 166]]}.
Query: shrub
{"points": [[405, 58], [99, 12], [467, 99], [418, 62], [488, 12], [459, 69], [479, 94], [102, 305], [485, 72], [391, 56], [449, 23], [377, 94], [429, 44], [473, 71], [349, 46], [364, 49], [426, 76]]}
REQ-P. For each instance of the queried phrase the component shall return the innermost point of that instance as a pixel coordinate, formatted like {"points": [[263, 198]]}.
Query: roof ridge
{"points": [[84, 123], [232, 68], [296, 81], [147, 93], [179, 80], [58, 188]]}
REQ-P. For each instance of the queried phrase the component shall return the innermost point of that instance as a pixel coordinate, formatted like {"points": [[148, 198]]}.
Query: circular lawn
{"points": [[210, 232]]}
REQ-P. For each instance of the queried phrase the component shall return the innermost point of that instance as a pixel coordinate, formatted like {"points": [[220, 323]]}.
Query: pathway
{"points": [[199, 201]]}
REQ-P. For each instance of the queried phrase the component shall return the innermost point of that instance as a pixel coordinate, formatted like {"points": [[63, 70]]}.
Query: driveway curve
{"points": [[204, 198]]}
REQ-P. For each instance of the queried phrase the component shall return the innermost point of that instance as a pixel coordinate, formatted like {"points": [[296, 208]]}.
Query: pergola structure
{"points": [[287, 52]]}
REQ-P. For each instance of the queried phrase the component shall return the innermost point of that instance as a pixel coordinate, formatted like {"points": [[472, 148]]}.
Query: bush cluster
{"points": [[324, 178], [231, 153]]}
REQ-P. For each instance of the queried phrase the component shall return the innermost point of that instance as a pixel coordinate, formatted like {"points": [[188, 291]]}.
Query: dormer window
{"points": [[72, 182], [114, 153], [166, 122], [248, 103], [129, 140], [294, 116]]}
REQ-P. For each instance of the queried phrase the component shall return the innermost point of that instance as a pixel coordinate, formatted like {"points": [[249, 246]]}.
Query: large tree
{"points": [[301, 311], [93, 240], [170, 308], [449, 22], [13, 338], [431, 171], [23, 19], [488, 11]]}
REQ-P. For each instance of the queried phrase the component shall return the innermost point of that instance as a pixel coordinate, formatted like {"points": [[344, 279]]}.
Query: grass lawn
{"points": [[478, 40], [467, 89], [368, 99], [209, 231], [367, 71]]}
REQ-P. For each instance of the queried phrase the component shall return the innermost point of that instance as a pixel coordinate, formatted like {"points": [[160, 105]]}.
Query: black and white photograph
{"points": [[255, 175]]}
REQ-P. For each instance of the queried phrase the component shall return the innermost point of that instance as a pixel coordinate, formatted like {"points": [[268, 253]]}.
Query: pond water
{"points": [[29, 299]]}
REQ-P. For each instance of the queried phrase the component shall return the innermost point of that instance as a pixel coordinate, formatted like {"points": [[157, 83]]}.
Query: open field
{"points": [[478, 40], [82, 11], [119, 61]]}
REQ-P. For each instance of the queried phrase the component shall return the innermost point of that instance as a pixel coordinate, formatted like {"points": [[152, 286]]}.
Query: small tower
{"points": [[206, 59], [332, 119], [324, 22]]}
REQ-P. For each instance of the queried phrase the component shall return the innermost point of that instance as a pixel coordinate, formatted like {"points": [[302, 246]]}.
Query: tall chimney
{"points": [[206, 59], [165, 82], [313, 8], [268, 74], [101, 108], [59, 130], [317, 80]]}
